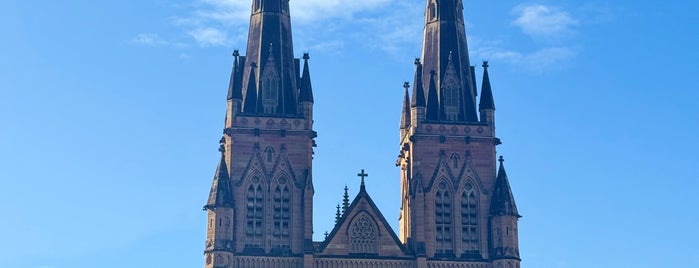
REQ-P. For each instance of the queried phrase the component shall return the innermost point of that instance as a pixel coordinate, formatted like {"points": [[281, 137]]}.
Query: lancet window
{"points": [[254, 214], [432, 11], [451, 99], [443, 219], [270, 92], [469, 218], [269, 154], [282, 212]]}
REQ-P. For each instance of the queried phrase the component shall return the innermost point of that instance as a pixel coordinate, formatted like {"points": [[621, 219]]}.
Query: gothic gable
{"points": [[468, 173], [441, 172], [255, 167], [282, 168], [362, 232]]}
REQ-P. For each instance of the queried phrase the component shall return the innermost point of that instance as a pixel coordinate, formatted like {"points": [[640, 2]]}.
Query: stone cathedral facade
{"points": [[457, 206]]}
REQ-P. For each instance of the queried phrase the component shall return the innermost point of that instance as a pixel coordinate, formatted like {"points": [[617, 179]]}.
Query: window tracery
{"points": [[254, 213], [469, 218], [282, 212], [363, 236], [443, 219]]}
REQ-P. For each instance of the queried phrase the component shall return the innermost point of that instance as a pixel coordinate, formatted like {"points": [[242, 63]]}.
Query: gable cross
{"points": [[362, 175]]}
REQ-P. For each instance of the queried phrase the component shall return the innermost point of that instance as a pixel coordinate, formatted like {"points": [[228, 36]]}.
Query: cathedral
{"points": [[457, 208]]}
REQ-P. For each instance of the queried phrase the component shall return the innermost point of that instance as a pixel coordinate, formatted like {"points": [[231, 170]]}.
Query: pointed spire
{"points": [[235, 85], [503, 202], [306, 90], [220, 194], [445, 51], [337, 214], [432, 101], [250, 105], [345, 200], [418, 90], [487, 101], [270, 23], [405, 116]]}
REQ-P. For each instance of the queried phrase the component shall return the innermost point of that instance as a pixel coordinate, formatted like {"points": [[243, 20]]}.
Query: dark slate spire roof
{"points": [[405, 116], [306, 90], [250, 102], [221, 194], [503, 202], [487, 101], [432, 112], [270, 38], [418, 90], [235, 86], [445, 37]]}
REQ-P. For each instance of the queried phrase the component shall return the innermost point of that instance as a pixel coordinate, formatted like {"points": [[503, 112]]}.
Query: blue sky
{"points": [[111, 112]]}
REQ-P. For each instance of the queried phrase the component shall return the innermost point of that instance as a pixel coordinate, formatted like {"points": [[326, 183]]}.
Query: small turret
{"points": [[220, 194], [504, 244], [219, 232], [487, 103], [306, 93], [345, 200], [417, 102], [306, 90], [432, 112], [235, 85], [250, 104], [405, 114]]}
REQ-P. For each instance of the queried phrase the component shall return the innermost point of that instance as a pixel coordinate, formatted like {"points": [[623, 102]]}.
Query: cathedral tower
{"points": [[261, 201], [451, 194]]}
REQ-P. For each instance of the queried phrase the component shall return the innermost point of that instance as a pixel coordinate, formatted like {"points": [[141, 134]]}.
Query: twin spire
{"points": [[444, 84], [269, 80]]}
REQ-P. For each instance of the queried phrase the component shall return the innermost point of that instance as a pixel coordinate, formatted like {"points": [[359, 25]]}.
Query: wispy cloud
{"points": [[209, 36], [535, 61], [222, 22], [541, 21], [149, 39]]}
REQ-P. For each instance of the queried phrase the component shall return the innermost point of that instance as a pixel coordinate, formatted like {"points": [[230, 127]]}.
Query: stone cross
{"points": [[362, 175]]}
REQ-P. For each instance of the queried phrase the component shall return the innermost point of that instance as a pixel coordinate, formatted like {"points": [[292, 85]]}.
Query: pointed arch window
{"points": [[254, 214], [270, 92], [443, 219], [451, 99], [363, 235], [432, 11], [282, 212], [469, 219], [256, 5], [269, 154], [455, 160]]}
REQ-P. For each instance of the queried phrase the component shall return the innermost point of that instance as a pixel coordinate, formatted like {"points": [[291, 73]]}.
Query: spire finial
{"points": [[337, 214], [417, 61], [406, 85], [306, 56], [345, 200], [485, 64], [502, 159], [236, 53]]}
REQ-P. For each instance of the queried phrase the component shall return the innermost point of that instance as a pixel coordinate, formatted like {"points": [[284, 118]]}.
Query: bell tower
{"points": [[264, 185], [448, 155]]}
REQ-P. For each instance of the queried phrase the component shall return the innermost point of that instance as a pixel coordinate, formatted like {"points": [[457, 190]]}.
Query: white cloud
{"points": [[208, 36], [221, 22], [535, 61], [540, 21], [149, 39]]}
